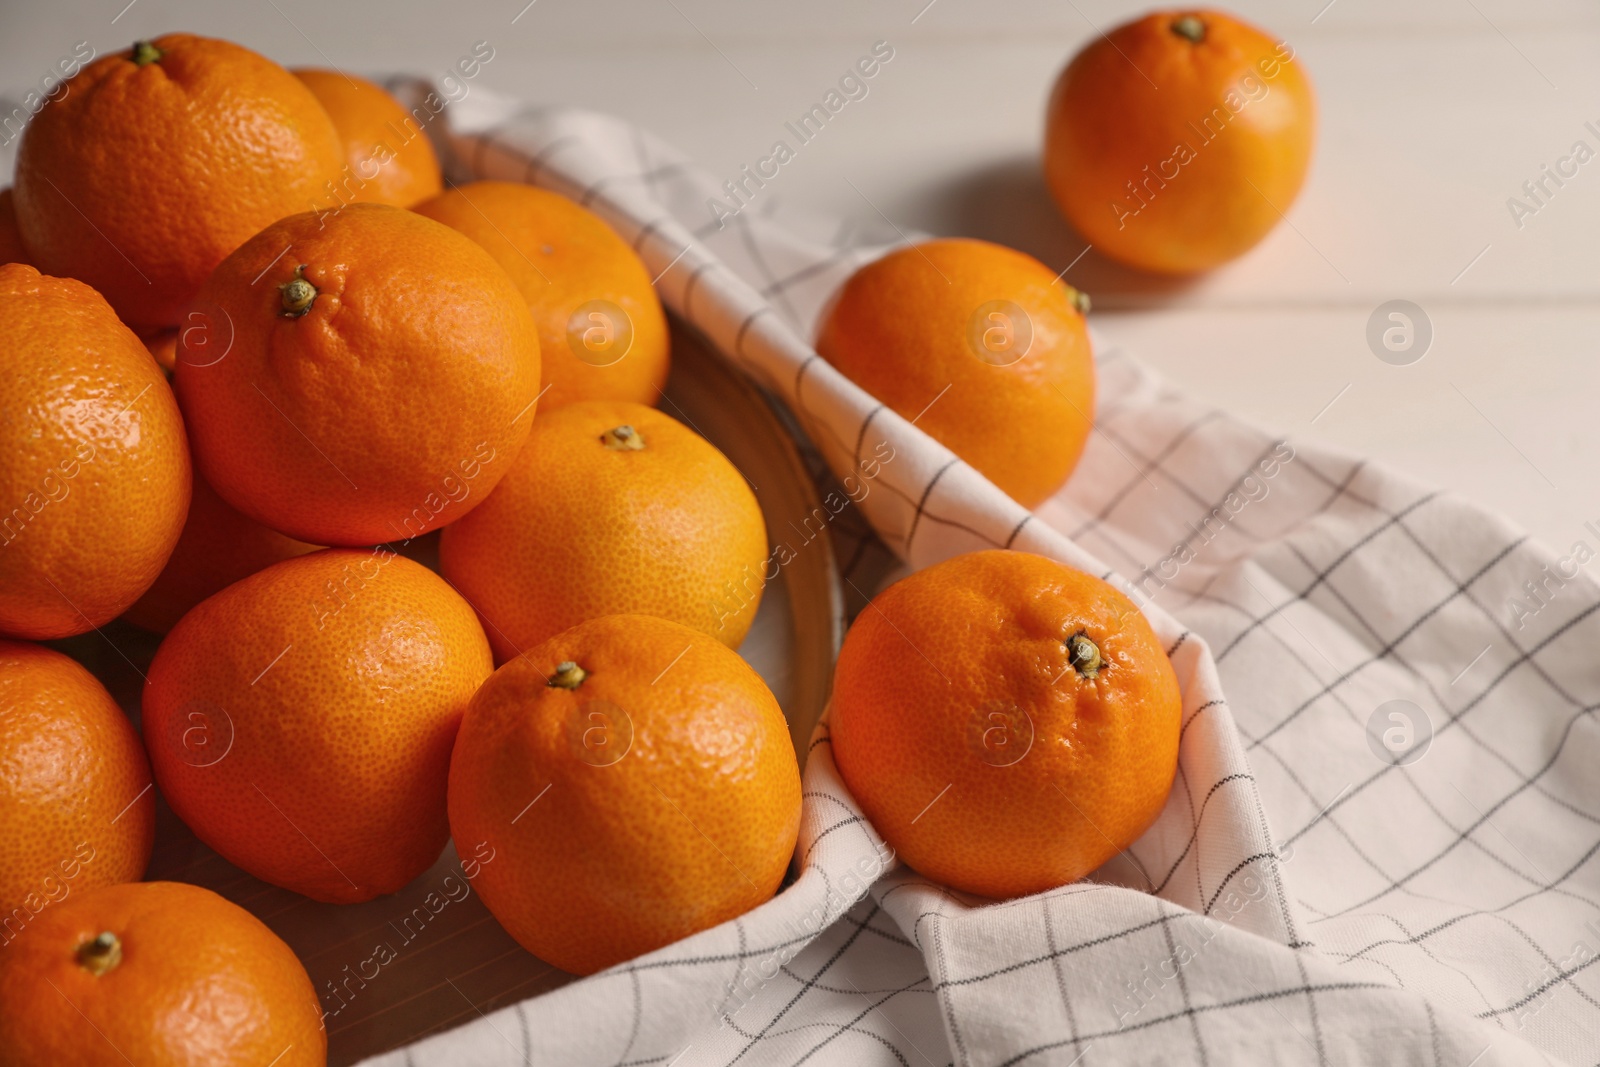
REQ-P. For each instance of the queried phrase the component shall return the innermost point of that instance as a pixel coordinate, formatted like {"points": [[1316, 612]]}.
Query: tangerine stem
{"points": [[145, 53], [1084, 655], [1190, 28], [623, 439], [568, 675], [297, 294], [101, 954]]}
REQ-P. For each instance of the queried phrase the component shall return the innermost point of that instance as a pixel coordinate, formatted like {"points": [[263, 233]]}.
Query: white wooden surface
{"points": [[1434, 112]]}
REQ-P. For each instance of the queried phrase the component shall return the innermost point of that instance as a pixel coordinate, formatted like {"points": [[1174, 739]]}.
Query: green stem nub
{"points": [[1190, 28], [297, 294], [568, 676], [1079, 300], [623, 439], [1084, 655], [100, 955], [145, 53]]}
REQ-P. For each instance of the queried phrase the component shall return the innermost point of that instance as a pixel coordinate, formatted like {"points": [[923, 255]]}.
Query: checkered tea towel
{"points": [[1380, 847]]}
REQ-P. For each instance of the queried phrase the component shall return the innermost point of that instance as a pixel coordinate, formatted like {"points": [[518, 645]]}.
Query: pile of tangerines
{"points": [[257, 356]]}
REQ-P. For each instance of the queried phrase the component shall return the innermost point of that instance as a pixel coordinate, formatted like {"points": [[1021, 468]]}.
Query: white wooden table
{"points": [[1434, 113]]}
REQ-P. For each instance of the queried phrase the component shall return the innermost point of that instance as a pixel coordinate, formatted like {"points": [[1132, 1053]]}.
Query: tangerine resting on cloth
{"points": [[1006, 722], [982, 347]]}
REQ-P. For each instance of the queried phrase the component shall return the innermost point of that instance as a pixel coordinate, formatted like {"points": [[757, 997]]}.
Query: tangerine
{"points": [[300, 721], [637, 783], [387, 160], [979, 345], [218, 547], [602, 332], [94, 467], [11, 250], [1177, 141], [76, 811], [371, 386], [1007, 723], [155, 163], [156, 973], [612, 508]]}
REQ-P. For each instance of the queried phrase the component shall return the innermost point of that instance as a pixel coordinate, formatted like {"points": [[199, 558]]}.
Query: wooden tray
{"points": [[454, 963]]}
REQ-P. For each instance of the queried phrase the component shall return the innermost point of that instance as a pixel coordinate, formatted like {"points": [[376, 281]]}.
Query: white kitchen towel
{"points": [[1380, 847]]}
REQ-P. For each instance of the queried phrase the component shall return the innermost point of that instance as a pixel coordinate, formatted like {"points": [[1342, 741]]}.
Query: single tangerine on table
{"points": [[983, 347], [361, 377], [301, 720], [76, 811], [155, 163], [1007, 723], [94, 468], [638, 784], [156, 973], [602, 332], [1177, 141], [612, 508], [388, 159]]}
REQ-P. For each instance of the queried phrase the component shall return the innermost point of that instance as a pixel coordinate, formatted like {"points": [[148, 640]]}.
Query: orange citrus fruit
{"points": [[601, 327], [156, 973], [612, 509], [218, 547], [364, 377], [300, 721], [983, 347], [94, 468], [157, 162], [636, 781], [1007, 723], [1175, 142], [11, 250], [387, 158], [76, 811]]}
